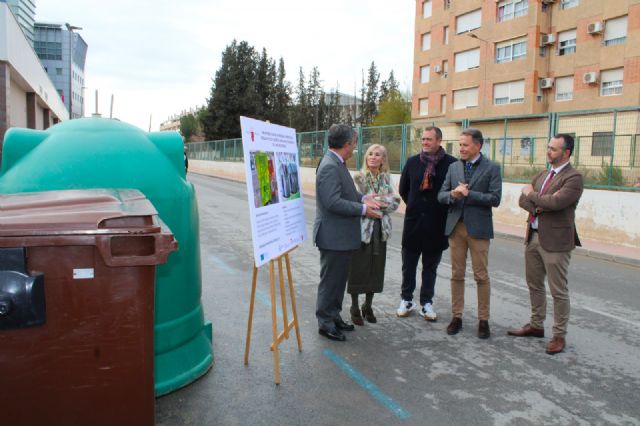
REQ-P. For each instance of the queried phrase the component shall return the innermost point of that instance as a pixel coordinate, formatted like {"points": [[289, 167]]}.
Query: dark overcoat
{"points": [[425, 217]]}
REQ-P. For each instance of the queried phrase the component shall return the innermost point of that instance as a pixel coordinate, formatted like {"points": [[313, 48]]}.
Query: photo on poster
{"points": [[288, 176], [264, 178]]}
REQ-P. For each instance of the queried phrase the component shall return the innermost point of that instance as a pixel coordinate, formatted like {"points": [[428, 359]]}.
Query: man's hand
{"points": [[373, 213], [527, 189], [460, 191], [370, 201]]}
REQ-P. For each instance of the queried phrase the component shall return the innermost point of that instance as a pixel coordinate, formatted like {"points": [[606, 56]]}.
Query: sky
{"points": [[158, 58]]}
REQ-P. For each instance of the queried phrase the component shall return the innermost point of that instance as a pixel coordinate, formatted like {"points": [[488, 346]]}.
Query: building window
{"points": [[426, 9], [615, 31], [443, 104], [445, 68], [426, 41], [445, 35], [566, 42], [509, 9], [423, 106], [566, 4], [601, 143], [467, 60], [611, 82], [447, 4], [564, 88], [465, 98], [468, 21], [511, 92], [424, 73], [511, 50], [58, 71]]}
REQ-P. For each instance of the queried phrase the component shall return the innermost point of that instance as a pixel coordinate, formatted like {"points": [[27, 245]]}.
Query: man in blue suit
{"points": [[336, 230], [473, 186]]}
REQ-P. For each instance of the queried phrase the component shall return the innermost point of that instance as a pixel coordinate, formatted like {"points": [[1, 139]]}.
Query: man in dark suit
{"points": [[551, 200], [473, 186], [424, 221], [336, 230]]}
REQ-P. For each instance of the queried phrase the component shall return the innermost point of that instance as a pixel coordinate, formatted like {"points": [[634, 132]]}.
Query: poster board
{"points": [[274, 189]]}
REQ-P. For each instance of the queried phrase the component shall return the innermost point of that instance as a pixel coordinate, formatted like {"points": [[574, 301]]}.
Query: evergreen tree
{"points": [[282, 96], [188, 126], [334, 115], [388, 85], [371, 94], [265, 87], [233, 92], [315, 97], [300, 108]]}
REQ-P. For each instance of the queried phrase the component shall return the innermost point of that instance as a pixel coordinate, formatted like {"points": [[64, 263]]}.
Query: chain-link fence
{"points": [[606, 144]]}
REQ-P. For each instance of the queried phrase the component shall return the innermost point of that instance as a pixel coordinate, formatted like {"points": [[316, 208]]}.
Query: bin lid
{"points": [[89, 211]]}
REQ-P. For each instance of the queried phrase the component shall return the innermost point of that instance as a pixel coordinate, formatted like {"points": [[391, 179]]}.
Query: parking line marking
{"points": [[367, 385], [262, 298]]}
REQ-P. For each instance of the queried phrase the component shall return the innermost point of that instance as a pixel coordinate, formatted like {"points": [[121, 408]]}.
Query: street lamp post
{"points": [[70, 28], [484, 72]]}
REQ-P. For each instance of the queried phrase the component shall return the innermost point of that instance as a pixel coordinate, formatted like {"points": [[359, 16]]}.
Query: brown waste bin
{"points": [[77, 273]]}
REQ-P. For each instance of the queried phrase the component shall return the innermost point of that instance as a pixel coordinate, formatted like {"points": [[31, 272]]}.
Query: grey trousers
{"points": [[334, 270]]}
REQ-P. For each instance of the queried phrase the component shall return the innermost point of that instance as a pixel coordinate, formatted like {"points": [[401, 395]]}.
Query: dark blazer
{"points": [[424, 218], [338, 207], [556, 220], [485, 192]]}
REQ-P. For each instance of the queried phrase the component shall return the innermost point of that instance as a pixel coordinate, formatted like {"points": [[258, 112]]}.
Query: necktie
{"points": [[546, 184], [468, 166]]}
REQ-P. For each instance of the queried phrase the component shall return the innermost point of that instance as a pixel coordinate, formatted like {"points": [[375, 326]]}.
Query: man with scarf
{"points": [[424, 221]]}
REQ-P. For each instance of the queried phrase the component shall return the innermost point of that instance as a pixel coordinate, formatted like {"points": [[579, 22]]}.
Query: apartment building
{"points": [[492, 58]]}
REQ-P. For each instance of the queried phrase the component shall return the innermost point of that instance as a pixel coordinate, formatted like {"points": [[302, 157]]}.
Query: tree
{"points": [[282, 96], [265, 86], [394, 108], [233, 92], [300, 111], [370, 95], [388, 85], [315, 95], [188, 126], [333, 112]]}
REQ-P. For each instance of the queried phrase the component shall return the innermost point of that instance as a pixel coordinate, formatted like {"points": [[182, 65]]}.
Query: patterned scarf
{"points": [[431, 161]]}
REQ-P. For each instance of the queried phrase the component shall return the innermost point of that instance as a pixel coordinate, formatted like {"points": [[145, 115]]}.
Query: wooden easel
{"points": [[277, 337]]}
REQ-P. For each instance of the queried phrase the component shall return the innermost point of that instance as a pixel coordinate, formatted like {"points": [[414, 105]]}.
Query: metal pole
{"points": [[111, 108]]}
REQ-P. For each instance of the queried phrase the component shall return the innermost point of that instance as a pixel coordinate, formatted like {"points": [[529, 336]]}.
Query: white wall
{"points": [[604, 216], [17, 106]]}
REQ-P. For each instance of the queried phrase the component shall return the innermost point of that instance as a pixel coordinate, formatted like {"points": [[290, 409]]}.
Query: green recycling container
{"points": [[103, 153]]}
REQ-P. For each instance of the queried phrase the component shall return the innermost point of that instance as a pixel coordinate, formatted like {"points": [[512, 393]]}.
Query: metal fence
{"points": [[606, 144]]}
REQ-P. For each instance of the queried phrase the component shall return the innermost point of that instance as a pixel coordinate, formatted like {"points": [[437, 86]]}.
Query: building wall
{"points": [[18, 106], [591, 55], [22, 73]]}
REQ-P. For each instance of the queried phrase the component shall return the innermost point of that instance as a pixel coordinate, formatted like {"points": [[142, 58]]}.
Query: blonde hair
{"points": [[384, 167]]}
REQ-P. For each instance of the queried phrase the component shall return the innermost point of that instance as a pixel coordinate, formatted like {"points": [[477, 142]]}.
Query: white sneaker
{"points": [[405, 308], [428, 313]]}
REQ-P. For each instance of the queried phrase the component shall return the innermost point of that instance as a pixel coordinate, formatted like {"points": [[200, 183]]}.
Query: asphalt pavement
{"points": [[406, 371]]}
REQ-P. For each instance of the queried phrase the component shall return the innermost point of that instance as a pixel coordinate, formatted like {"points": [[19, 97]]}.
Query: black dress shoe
{"points": [[344, 326], [334, 334], [454, 326], [483, 329]]}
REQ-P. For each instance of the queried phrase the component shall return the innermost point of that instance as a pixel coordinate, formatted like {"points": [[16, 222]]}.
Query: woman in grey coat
{"points": [[366, 274]]}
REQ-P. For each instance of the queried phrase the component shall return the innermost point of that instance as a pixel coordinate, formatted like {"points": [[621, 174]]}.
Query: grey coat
{"points": [[338, 207], [485, 192]]}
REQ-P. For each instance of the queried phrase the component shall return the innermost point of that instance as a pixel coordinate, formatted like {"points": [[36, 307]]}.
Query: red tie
{"points": [[532, 218]]}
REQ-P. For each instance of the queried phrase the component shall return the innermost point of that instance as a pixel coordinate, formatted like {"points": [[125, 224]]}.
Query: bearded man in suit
{"points": [[336, 230], [551, 200]]}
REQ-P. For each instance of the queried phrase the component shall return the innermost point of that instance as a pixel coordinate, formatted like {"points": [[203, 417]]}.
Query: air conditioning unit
{"points": [[437, 69], [590, 77], [595, 28], [546, 83], [547, 39]]}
